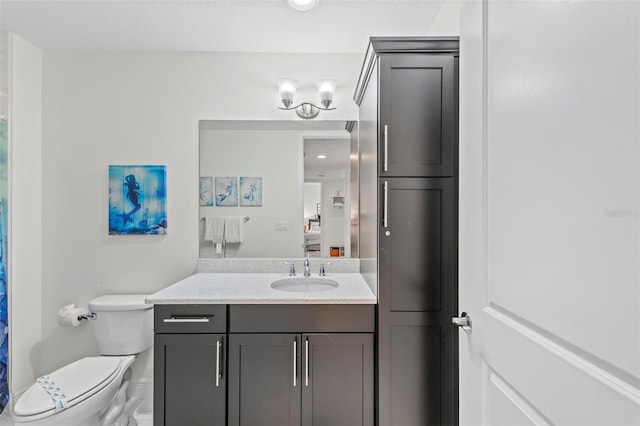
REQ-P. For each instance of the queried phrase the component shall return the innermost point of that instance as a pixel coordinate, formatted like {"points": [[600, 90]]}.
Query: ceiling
{"points": [[336, 163], [334, 26]]}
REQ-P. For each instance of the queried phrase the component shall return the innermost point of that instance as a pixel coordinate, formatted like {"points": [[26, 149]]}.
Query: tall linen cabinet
{"points": [[408, 139]]}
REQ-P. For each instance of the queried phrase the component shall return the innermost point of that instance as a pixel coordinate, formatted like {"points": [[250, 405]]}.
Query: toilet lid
{"points": [[74, 380], [119, 302]]}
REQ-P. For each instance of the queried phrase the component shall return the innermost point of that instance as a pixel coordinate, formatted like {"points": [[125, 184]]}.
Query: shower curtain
{"points": [[4, 306], [4, 321]]}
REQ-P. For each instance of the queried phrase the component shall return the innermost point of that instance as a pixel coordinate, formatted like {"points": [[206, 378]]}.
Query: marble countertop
{"points": [[255, 288]]}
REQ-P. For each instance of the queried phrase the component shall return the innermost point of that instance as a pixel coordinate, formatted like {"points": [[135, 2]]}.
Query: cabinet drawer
{"points": [[190, 319], [301, 318]]}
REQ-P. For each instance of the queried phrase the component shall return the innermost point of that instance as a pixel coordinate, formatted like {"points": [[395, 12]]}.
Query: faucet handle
{"points": [[292, 268], [322, 274]]}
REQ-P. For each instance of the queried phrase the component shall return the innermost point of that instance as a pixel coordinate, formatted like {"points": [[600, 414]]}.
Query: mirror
{"points": [[264, 180]]}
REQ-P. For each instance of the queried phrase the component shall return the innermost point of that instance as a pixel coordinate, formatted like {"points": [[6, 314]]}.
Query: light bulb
{"points": [[302, 5], [287, 88], [326, 88]]}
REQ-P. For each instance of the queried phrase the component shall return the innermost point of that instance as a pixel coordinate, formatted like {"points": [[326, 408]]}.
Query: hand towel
{"points": [[214, 229], [233, 229]]}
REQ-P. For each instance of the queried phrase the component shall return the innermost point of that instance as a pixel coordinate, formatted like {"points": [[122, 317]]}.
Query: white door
{"points": [[549, 190]]}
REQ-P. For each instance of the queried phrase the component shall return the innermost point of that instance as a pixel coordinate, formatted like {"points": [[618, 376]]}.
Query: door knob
{"points": [[463, 321]]}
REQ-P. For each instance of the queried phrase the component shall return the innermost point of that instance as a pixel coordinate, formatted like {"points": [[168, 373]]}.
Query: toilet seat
{"points": [[78, 381]]}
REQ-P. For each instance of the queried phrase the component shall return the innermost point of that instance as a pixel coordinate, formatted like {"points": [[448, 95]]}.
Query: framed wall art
{"points": [[251, 191], [137, 200], [226, 191]]}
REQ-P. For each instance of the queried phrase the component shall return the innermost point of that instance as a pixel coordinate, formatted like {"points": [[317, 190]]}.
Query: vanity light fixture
{"points": [[302, 5], [307, 110], [322, 156]]}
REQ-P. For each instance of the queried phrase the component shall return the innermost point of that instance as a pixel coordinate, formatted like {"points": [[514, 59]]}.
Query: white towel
{"points": [[214, 229], [233, 229]]}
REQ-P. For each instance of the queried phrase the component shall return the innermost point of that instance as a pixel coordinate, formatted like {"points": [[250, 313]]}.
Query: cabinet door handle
{"points": [[386, 148], [218, 375], [295, 373], [306, 362], [385, 204], [186, 319]]}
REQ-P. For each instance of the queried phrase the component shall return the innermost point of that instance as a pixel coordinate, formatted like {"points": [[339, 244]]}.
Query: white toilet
{"points": [[92, 391]]}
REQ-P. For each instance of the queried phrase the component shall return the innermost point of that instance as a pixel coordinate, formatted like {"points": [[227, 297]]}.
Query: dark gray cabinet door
{"points": [[418, 107], [337, 383], [189, 380], [417, 299], [417, 256], [264, 385]]}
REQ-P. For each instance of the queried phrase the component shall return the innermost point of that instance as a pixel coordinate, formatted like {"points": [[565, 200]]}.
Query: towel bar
{"points": [[245, 219]]}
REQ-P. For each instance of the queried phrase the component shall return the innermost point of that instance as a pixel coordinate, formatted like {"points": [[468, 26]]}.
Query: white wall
{"points": [[142, 108], [447, 22], [312, 194], [274, 156], [332, 223], [25, 212]]}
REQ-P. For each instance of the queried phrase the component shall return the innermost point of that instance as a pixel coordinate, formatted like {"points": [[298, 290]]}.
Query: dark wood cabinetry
{"points": [[417, 268], [192, 390], [412, 83], [287, 365], [265, 389], [317, 371], [189, 365], [294, 379], [338, 379], [417, 114]]}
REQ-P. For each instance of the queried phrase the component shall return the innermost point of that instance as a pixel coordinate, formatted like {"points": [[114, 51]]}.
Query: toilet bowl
{"points": [[92, 390]]}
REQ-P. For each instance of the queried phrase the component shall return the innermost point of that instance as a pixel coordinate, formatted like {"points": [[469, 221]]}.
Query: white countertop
{"points": [[255, 288]]}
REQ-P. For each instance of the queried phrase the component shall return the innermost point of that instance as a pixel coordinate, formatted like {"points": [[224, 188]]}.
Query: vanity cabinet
{"points": [[337, 379], [408, 100], [301, 365], [265, 389], [264, 365], [189, 365]]}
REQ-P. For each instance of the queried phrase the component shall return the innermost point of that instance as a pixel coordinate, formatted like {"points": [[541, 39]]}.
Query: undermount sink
{"points": [[304, 284]]}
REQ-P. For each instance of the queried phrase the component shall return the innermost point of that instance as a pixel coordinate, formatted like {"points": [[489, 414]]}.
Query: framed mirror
{"points": [[276, 189]]}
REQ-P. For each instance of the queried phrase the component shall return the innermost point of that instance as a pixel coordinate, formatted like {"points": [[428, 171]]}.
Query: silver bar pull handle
{"points": [[218, 345], [186, 319], [386, 148], [306, 362], [385, 211], [295, 366]]}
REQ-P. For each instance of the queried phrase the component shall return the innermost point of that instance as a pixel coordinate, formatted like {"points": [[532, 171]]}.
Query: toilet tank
{"points": [[123, 324]]}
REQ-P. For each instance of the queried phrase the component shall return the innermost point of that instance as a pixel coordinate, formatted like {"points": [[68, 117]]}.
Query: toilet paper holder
{"points": [[87, 316], [70, 316]]}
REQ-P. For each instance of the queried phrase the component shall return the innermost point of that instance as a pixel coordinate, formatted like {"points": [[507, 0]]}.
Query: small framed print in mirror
{"points": [[251, 191], [206, 191], [226, 191]]}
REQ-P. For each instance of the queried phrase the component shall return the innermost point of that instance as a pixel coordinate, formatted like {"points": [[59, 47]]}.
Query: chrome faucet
{"points": [[307, 269], [322, 265], [292, 268]]}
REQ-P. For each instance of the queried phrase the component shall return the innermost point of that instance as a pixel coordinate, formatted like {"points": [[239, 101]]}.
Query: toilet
{"points": [[92, 390]]}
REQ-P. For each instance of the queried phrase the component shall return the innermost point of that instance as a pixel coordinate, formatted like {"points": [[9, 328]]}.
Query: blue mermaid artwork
{"points": [[132, 190], [226, 191], [137, 199], [251, 191]]}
